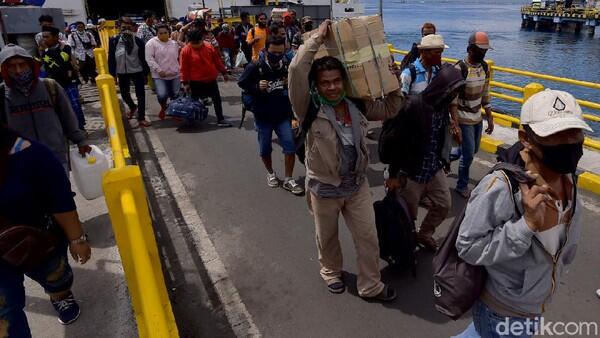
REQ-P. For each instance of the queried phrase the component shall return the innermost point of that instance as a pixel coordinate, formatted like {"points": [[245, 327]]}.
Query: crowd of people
{"points": [[508, 228]]}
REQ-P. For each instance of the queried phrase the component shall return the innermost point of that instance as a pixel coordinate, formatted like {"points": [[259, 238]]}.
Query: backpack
{"points": [[409, 58], [51, 87], [456, 283], [465, 69], [396, 232]]}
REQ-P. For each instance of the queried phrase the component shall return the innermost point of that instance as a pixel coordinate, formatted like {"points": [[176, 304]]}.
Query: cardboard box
{"points": [[360, 44]]}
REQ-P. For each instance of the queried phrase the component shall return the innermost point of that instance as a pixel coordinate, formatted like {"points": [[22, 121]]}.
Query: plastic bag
{"points": [[240, 60]]}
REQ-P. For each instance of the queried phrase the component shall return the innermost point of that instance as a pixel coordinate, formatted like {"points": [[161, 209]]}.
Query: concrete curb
{"points": [[586, 180]]}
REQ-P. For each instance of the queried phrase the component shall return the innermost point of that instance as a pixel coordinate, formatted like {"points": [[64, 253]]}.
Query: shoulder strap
{"points": [[463, 68], [52, 91], [413, 73], [486, 68]]}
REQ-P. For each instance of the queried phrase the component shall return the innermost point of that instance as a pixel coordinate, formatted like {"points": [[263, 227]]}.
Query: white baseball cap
{"points": [[432, 41], [552, 111]]}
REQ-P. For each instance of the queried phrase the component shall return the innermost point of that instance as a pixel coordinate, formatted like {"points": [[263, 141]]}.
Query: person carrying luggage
{"points": [[336, 163], [526, 236]]}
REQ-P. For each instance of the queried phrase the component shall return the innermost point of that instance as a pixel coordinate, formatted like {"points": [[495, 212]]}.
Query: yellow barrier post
{"points": [[531, 89], [128, 209]]}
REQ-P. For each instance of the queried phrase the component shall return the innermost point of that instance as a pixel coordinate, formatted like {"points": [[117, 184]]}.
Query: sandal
{"points": [[336, 287], [386, 295]]}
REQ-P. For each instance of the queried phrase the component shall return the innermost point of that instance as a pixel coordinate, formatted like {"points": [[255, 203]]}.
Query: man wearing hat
{"points": [[419, 74], [307, 26], [467, 122], [525, 235]]}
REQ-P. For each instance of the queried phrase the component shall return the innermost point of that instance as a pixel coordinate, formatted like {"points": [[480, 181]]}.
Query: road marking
{"points": [[238, 316]]}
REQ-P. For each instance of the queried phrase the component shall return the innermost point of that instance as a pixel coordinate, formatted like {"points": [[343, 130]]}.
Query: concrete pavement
{"points": [[264, 239], [99, 285]]}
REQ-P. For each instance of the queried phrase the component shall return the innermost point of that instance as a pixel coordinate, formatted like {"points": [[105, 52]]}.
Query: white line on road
{"points": [[238, 316]]}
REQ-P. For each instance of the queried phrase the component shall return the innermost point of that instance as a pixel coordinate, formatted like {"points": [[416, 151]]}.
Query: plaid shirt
{"points": [[432, 162]]}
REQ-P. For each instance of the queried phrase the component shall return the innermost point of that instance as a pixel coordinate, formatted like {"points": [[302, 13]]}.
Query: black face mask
{"points": [[308, 27], [562, 158], [478, 55]]}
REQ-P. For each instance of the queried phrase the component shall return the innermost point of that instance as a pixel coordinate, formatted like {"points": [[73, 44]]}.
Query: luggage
{"points": [[456, 283], [396, 233], [187, 108]]}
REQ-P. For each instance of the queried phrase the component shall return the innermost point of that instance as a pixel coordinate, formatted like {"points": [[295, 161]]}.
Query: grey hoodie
{"points": [[522, 275], [33, 116]]}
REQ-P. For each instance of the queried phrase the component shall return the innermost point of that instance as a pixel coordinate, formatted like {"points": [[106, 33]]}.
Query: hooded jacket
{"points": [[415, 123], [522, 275], [112, 57], [272, 106], [34, 116]]}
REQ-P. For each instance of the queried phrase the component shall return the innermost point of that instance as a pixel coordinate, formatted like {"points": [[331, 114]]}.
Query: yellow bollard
{"points": [[101, 61], [531, 89], [128, 209], [111, 110]]}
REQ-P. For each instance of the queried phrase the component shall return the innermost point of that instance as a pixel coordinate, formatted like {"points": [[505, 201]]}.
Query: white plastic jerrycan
{"points": [[87, 171]]}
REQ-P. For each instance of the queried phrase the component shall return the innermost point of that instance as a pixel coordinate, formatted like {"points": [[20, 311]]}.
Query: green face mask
{"points": [[332, 103]]}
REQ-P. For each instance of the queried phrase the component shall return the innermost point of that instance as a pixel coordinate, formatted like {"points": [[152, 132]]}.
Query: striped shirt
{"points": [[422, 80], [474, 96]]}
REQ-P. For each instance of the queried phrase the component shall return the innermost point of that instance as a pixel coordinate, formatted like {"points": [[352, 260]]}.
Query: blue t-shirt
{"points": [[35, 186]]}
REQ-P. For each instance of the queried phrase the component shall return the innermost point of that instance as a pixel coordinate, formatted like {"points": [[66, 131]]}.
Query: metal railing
{"points": [[529, 90], [128, 209]]}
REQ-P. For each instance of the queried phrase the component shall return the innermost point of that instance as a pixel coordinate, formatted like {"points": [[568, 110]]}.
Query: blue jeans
{"points": [[284, 133], [488, 324], [55, 275], [471, 139], [166, 89]]}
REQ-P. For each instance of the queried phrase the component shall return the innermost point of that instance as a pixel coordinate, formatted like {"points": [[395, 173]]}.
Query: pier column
{"points": [[537, 26], [578, 27]]}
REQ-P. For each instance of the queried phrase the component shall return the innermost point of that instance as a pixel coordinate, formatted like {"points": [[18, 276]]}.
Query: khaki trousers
{"points": [[437, 191], [359, 215]]}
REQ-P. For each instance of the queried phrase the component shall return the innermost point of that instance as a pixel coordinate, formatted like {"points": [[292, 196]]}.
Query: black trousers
{"points": [[208, 89], [139, 82], [87, 69]]}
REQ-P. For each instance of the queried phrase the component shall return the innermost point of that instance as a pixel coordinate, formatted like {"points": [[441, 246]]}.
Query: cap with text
{"points": [[552, 111]]}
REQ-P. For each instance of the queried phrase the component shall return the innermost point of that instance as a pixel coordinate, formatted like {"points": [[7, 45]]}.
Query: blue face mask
{"points": [[274, 58]]}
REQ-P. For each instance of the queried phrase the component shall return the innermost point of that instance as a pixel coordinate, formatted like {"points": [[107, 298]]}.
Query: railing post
{"points": [[531, 89], [491, 65], [101, 61]]}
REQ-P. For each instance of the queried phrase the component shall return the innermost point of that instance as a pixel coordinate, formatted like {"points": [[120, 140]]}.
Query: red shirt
{"points": [[226, 40], [200, 64]]}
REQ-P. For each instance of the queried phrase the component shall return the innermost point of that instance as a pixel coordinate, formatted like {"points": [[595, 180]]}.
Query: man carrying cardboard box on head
{"points": [[337, 161]]}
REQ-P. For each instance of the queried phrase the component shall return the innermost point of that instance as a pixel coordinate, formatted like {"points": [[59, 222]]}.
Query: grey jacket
{"points": [[522, 275], [34, 118]]}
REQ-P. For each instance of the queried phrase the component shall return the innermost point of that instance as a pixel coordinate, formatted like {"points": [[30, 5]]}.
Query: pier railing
{"points": [[527, 91]]}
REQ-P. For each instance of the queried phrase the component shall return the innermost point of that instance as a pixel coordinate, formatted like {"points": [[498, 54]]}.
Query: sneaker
{"points": [[293, 187], [68, 309], [224, 124], [272, 180], [145, 123], [161, 114]]}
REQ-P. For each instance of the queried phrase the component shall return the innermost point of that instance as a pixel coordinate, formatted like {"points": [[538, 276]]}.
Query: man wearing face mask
{"points": [[266, 81], [307, 26], [418, 75], [525, 236], [127, 62], [467, 121]]}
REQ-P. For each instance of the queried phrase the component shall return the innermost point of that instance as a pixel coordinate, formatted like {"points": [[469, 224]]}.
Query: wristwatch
{"points": [[80, 240]]}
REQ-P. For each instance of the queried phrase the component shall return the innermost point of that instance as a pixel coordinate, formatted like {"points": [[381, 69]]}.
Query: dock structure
{"points": [[560, 18]]}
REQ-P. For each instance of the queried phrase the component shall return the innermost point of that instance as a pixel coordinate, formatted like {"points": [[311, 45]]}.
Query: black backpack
{"points": [[456, 283], [396, 233], [410, 58]]}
